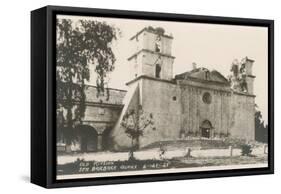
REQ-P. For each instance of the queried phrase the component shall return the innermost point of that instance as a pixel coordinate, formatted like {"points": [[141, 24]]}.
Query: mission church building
{"points": [[200, 102]]}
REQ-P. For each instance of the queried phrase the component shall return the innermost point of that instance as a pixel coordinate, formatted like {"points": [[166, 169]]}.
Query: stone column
{"points": [[99, 139]]}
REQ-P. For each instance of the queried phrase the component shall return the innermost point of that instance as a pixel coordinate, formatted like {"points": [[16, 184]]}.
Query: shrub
{"points": [[246, 150]]}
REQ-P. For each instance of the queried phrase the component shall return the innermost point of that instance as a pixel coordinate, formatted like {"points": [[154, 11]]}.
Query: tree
{"points": [[261, 130], [78, 46], [135, 122]]}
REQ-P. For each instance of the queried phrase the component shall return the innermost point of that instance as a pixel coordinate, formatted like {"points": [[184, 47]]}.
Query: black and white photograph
{"points": [[138, 97]]}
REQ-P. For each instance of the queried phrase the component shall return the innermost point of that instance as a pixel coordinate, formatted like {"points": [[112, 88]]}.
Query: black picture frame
{"points": [[43, 103]]}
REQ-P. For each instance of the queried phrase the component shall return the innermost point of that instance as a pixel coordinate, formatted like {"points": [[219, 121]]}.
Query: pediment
{"points": [[203, 74]]}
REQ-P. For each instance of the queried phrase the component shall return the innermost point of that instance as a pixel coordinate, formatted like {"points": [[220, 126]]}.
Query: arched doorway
{"points": [[206, 128], [88, 138]]}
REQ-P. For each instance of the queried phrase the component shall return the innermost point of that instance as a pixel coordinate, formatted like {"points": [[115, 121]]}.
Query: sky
{"points": [[208, 45]]}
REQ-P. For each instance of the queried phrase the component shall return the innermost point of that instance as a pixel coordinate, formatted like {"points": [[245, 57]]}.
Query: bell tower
{"points": [[152, 54], [248, 65]]}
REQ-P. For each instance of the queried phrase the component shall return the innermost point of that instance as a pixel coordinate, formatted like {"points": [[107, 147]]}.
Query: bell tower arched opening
{"points": [[157, 70]]}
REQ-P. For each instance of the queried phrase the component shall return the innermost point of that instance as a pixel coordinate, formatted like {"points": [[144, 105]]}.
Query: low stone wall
{"points": [[155, 154]]}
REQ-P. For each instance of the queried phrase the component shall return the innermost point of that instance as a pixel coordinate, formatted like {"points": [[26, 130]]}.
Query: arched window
{"points": [[157, 70]]}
